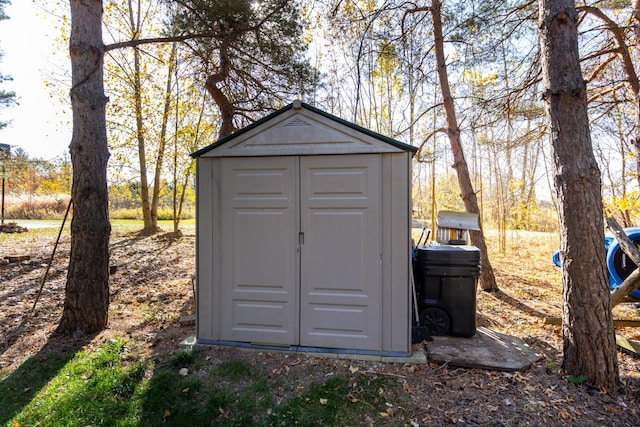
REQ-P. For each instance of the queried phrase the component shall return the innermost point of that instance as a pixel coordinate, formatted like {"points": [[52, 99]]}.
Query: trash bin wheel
{"points": [[436, 320]]}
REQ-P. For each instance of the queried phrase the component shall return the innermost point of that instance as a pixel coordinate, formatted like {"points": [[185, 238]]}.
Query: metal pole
{"points": [[3, 172], [5, 152]]}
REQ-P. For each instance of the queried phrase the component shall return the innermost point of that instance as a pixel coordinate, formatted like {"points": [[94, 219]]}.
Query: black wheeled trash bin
{"points": [[447, 278]]}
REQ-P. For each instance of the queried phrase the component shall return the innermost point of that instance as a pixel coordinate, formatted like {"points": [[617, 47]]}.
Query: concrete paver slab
{"points": [[487, 349]]}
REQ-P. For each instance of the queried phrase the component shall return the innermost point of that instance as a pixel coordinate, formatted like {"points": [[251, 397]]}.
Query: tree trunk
{"points": [[148, 220], [227, 109], [635, 18], [86, 302], [150, 223], [587, 324], [155, 201], [487, 279]]}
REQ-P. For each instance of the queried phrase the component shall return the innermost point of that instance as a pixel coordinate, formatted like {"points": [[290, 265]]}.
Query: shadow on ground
{"points": [[18, 389]]}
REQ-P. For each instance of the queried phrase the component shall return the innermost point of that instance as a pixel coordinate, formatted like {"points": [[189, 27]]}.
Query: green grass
{"points": [[166, 225], [89, 389], [48, 231], [113, 386]]}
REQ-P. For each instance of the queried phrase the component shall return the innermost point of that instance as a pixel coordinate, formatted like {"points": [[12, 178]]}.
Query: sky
{"points": [[41, 123]]}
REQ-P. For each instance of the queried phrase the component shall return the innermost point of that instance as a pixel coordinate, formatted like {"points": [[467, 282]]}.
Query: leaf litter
{"points": [[151, 291]]}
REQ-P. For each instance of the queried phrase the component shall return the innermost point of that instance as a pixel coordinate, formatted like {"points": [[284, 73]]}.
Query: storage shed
{"points": [[303, 236]]}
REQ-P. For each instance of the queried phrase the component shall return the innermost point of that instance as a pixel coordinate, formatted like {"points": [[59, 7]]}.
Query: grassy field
{"points": [[122, 224]]}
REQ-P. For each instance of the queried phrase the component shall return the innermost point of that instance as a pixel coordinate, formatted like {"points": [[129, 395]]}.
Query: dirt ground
{"points": [[152, 289]]}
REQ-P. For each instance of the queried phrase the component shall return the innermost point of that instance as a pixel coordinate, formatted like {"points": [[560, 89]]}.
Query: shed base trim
{"points": [[388, 356]]}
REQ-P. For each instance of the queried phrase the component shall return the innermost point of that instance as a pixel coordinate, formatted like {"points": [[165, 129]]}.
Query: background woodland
{"points": [[369, 62]]}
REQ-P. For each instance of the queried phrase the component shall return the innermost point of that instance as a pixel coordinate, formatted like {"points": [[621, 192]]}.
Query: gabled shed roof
{"points": [[300, 129]]}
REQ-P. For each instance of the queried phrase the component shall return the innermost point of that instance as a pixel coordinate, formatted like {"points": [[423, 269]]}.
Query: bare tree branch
{"points": [[169, 39]]}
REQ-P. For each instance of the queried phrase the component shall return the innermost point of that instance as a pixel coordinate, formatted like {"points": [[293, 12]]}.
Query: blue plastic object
{"points": [[619, 265], [608, 239]]}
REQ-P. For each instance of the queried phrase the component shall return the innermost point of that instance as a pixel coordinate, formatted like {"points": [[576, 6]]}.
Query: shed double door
{"points": [[301, 251]]}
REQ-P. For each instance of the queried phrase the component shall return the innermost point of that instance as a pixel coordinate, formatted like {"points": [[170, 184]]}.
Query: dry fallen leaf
{"points": [[407, 388], [323, 401]]}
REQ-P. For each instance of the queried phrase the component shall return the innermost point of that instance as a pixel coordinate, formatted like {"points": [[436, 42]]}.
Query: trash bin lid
{"points": [[448, 255]]}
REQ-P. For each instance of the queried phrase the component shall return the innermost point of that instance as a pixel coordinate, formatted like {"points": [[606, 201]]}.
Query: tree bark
{"points": [[155, 201], [227, 109], [86, 302], [587, 324], [487, 278], [150, 222], [635, 18]]}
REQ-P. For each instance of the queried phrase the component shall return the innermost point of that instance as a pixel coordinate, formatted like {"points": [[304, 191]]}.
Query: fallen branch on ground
{"points": [[616, 323]]}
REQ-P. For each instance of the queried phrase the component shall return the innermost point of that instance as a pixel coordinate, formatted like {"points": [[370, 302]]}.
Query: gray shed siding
{"points": [[309, 247]]}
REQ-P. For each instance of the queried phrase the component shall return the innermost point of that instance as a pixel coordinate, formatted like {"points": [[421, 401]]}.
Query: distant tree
{"points": [[610, 67], [252, 54], [469, 198], [136, 118], [31, 176], [192, 129], [21, 172], [589, 348], [57, 176], [7, 98]]}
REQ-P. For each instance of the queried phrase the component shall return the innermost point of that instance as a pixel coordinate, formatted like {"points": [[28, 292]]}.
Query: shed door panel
{"points": [[259, 246], [341, 252]]}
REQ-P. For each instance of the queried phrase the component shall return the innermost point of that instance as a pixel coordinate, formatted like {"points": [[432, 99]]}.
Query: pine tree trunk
{"points": [[227, 109], [87, 290], [587, 324], [487, 278]]}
